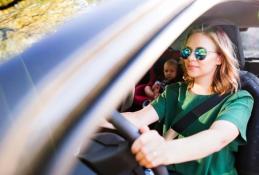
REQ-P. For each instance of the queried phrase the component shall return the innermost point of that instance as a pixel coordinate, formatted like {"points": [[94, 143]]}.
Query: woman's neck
{"points": [[201, 87]]}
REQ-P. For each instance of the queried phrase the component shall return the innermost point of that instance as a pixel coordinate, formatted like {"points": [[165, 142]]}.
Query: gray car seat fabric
{"points": [[248, 155]]}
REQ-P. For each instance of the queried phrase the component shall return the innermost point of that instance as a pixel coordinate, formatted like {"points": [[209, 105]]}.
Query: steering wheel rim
{"points": [[131, 133]]}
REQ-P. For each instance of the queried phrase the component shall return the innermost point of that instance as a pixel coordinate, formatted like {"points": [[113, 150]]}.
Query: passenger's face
{"points": [[170, 71], [206, 67]]}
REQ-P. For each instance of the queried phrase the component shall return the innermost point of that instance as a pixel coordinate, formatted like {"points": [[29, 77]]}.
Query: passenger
{"points": [[153, 91], [170, 73], [145, 94], [207, 146]]}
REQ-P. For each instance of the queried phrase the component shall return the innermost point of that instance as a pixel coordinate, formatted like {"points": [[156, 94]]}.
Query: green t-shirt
{"points": [[176, 101]]}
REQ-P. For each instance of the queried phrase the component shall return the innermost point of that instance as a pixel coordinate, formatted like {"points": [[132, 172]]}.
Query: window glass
{"points": [[250, 42], [23, 23]]}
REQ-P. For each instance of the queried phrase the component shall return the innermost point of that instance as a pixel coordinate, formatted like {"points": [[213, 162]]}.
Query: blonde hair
{"points": [[226, 78]]}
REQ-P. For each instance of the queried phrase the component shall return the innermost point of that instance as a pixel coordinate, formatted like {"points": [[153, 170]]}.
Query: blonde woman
{"points": [[207, 146]]}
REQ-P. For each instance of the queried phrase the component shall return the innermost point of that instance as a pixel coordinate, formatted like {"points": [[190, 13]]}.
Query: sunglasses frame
{"points": [[197, 52]]}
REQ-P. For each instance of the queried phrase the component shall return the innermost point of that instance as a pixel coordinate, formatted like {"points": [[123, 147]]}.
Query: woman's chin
{"points": [[192, 74]]}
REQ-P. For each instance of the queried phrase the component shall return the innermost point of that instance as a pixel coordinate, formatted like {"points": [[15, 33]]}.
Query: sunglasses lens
{"points": [[200, 53], [186, 52]]}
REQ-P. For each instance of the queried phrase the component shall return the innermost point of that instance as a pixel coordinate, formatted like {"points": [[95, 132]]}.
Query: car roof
{"points": [[231, 10]]}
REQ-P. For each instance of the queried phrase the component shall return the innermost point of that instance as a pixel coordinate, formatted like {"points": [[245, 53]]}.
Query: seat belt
{"points": [[193, 115]]}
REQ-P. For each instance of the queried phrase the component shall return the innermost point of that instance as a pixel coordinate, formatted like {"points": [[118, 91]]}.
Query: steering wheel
{"points": [[131, 133]]}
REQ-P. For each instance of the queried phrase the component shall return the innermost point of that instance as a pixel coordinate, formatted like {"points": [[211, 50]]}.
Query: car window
{"points": [[22, 23], [250, 42]]}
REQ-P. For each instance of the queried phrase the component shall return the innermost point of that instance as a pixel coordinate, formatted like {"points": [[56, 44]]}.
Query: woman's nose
{"points": [[192, 57]]}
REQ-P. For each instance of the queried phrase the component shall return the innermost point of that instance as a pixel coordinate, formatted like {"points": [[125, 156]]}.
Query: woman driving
{"points": [[207, 146]]}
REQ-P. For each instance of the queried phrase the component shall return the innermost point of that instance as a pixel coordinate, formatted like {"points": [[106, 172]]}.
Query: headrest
{"points": [[234, 34]]}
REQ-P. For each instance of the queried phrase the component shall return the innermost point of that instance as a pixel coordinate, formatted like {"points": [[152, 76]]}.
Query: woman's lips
{"points": [[191, 67]]}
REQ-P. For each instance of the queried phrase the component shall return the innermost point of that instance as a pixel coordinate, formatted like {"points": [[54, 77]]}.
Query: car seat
{"points": [[247, 157], [155, 73]]}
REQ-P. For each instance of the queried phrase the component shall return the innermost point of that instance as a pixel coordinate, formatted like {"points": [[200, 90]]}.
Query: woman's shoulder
{"points": [[176, 89], [177, 85], [240, 95]]}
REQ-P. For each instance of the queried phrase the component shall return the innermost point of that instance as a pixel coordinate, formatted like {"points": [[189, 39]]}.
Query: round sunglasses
{"points": [[200, 53]]}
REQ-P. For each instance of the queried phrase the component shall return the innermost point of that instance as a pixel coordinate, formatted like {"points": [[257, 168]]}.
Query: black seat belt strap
{"points": [[202, 108]]}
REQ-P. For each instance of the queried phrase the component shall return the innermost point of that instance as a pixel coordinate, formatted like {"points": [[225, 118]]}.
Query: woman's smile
{"points": [[192, 67]]}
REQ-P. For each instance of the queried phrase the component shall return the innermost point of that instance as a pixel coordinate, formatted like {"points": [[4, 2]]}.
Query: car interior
{"points": [[248, 155], [28, 77]]}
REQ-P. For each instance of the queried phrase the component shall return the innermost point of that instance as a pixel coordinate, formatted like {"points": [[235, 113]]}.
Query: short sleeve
{"points": [[166, 101], [237, 110], [159, 105]]}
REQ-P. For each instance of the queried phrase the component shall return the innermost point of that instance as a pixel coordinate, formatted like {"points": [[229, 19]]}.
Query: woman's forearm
{"points": [[143, 117], [192, 148], [201, 144]]}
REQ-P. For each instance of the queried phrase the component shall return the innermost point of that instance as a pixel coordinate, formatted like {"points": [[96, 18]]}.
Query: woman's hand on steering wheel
{"points": [[132, 134], [150, 148]]}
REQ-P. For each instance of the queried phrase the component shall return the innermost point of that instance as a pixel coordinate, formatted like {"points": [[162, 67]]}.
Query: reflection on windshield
{"points": [[28, 21]]}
